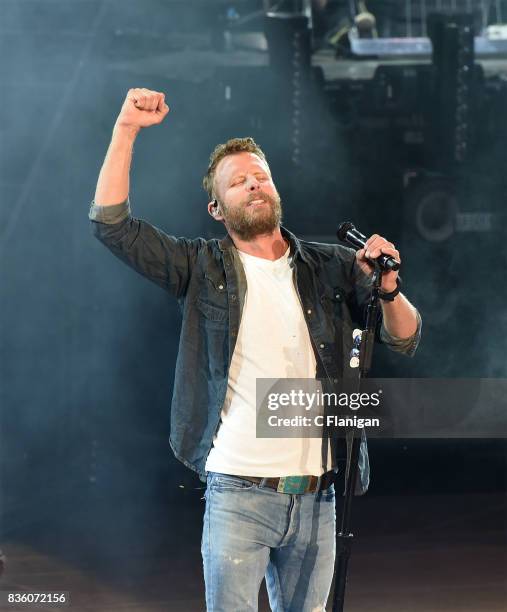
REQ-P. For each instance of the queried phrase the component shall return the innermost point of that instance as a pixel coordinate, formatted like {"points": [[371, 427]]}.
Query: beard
{"points": [[249, 222]]}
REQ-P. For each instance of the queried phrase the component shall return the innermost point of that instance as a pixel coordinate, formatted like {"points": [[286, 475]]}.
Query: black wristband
{"points": [[389, 297]]}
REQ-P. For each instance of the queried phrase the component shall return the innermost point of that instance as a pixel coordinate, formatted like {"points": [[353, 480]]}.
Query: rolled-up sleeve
{"points": [[109, 214], [407, 346], [166, 260]]}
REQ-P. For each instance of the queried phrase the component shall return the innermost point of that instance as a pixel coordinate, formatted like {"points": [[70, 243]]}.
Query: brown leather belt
{"points": [[295, 484]]}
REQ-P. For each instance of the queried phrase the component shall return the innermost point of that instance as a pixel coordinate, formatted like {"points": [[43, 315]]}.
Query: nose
{"points": [[252, 184]]}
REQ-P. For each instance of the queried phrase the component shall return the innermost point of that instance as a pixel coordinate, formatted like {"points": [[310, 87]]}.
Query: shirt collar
{"points": [[294, 242]]}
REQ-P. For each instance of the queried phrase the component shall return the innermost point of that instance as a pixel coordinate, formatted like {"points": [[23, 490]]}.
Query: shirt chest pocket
{"points": [[332, 299], [212, 299]]}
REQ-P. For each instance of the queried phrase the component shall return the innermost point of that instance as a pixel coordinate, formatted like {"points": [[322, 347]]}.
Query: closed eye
{"points": [[241, 179]]}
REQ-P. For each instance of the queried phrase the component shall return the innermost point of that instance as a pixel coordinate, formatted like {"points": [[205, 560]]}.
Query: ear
{"points": [[214, 210]]}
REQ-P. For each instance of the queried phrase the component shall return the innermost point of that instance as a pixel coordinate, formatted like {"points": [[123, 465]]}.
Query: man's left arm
{"points": [[401, 322]]}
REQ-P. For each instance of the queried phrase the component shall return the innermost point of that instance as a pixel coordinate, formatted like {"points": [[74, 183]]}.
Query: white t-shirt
{"points": [[273, 342]]}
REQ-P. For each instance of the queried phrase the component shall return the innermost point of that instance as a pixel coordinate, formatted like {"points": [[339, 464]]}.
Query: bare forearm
{"points": [[113, 181], [400, 318], [141, 109]]}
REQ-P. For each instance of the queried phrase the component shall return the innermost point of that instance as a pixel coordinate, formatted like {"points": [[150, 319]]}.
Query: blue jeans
{"points": [[252, 531]]}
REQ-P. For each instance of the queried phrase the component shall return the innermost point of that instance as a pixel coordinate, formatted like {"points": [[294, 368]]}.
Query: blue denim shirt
{"points": [[208, 280]]}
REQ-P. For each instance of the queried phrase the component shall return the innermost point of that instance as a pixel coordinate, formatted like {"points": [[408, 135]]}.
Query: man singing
{"points": [[259, 303]]}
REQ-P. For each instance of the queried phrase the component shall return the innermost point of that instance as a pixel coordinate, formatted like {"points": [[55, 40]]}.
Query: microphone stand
{"points": [[344, 537]]}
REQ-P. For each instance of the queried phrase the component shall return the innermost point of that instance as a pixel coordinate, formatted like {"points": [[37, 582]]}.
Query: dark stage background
{"points": [[91, 497]]}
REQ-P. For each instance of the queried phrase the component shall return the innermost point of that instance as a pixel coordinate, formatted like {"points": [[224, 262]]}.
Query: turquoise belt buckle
{"points": [[296, 485]]}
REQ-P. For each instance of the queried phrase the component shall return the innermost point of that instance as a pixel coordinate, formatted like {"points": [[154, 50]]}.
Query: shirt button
{"points": [[220, 286], [322, 345], [233, 297], [335, 380], [309, 311], [338, 296]]}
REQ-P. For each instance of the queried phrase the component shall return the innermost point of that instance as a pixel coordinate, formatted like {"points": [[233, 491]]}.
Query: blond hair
{"points": [[234, 145]]}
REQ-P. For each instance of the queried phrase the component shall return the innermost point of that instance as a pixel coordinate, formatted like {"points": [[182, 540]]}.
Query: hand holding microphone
{"points": [[373, 248]]}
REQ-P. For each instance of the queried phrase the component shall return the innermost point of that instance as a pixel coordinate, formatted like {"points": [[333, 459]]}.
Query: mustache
{"points": [[260, 195]]}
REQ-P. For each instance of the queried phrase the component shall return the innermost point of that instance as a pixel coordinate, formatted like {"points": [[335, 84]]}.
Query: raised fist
{"points": [[142, 108]]}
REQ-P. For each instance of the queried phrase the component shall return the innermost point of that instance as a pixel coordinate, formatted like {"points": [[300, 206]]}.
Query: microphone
{"points": [[348, 233]]}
